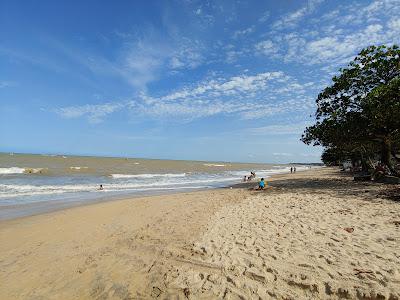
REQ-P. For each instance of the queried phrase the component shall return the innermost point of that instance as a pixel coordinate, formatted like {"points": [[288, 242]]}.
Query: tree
{"points": [[333, 156], [382, 107], [361, 109]]}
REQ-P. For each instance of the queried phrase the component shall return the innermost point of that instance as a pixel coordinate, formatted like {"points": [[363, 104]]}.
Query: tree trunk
{"points": [[364, 166], [387, 154], [353, 162]]}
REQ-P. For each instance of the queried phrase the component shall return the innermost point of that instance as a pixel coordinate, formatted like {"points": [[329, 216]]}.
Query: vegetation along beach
{"points": [[200, 149]]}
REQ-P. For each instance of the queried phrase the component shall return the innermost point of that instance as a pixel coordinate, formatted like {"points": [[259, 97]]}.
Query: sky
{"points": [[200, 80]]}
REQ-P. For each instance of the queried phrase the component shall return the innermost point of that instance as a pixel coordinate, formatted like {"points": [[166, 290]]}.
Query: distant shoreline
{"points": [[150, 158]]}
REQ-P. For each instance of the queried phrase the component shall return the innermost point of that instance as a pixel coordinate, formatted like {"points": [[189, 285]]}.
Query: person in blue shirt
{"points": [[261, 184]]}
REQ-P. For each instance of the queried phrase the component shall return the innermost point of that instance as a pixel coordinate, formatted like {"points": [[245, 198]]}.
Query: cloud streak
{"points": [[278, 129], [94, 113], [329, 39], [326, 40], [244, 96], [291, 20]]}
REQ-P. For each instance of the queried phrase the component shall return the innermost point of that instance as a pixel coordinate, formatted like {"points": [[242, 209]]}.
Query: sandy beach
{"points": [[312, 235]]}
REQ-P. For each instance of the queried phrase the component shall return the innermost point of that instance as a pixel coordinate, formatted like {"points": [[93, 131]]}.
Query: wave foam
{"points": [[12, 170], [34, 170], [17, 170], [214, 165], [17, 188], [116, 176]]}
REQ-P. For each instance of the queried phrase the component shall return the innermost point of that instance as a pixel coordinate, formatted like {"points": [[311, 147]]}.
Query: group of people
{"points": [[250, 177], [292, 169], [261, 184]]}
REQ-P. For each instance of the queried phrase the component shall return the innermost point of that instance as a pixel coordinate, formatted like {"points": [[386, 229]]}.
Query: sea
{"points": [[31, 183]]}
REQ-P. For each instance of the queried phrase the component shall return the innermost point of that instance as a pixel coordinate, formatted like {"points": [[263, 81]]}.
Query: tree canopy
{"points": [[360, 112]]}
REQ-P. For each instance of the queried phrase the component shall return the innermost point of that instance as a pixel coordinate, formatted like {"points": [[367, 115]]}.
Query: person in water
{"points": [[261, 184], [252, 176], [101, 187]]}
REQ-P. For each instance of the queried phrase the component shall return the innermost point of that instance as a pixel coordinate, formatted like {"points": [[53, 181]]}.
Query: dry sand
{"points": [[287, 242]]}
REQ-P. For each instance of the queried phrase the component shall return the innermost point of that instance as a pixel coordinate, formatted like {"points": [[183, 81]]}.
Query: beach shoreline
{"points": [[45, 207], [14, 211], [313, 234]]}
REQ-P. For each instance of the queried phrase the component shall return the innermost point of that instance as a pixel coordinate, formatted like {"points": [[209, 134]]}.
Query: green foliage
{"points": [[382, 108], [334, 156], [360, 111], [373, 67]]}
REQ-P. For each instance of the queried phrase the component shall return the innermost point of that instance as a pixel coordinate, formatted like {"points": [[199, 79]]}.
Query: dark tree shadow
{"points": [[337, 184]]}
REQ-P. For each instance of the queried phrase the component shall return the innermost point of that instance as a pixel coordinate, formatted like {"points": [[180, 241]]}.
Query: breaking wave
{"points": [[12, 170], [117, 176], [17, 170]]}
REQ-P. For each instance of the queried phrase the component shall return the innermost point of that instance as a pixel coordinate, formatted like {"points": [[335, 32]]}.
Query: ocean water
{"points": [[30, 182]]}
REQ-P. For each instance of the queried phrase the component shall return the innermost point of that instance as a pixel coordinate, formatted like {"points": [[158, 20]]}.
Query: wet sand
{"points": [[313, 235]]}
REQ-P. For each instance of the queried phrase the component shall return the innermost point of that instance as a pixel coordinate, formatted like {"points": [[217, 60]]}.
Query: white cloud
{"points": [[394, 24], [94, 113], [143, 57], [279, 129], [297, 103], [337, 36], [189, 53], [176, 63], [234, 53], [291, 20], [264, 17], [232, 56], [243, 96], [342, 47], [266, 47], [203, 17], [240, 33], [143, 60], [282, 154], [358, 14], [310, 154], [233, 85]]}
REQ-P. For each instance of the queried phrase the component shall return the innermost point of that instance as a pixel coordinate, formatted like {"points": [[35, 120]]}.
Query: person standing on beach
{"points": [[291, 170], [294, 169]]}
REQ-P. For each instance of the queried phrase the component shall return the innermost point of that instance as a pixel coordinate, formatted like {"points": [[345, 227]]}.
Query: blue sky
{"points": [[207, 80]]}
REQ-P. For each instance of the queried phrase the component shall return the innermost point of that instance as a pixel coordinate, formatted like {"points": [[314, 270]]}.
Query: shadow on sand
{"points": [[336, 183]]}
